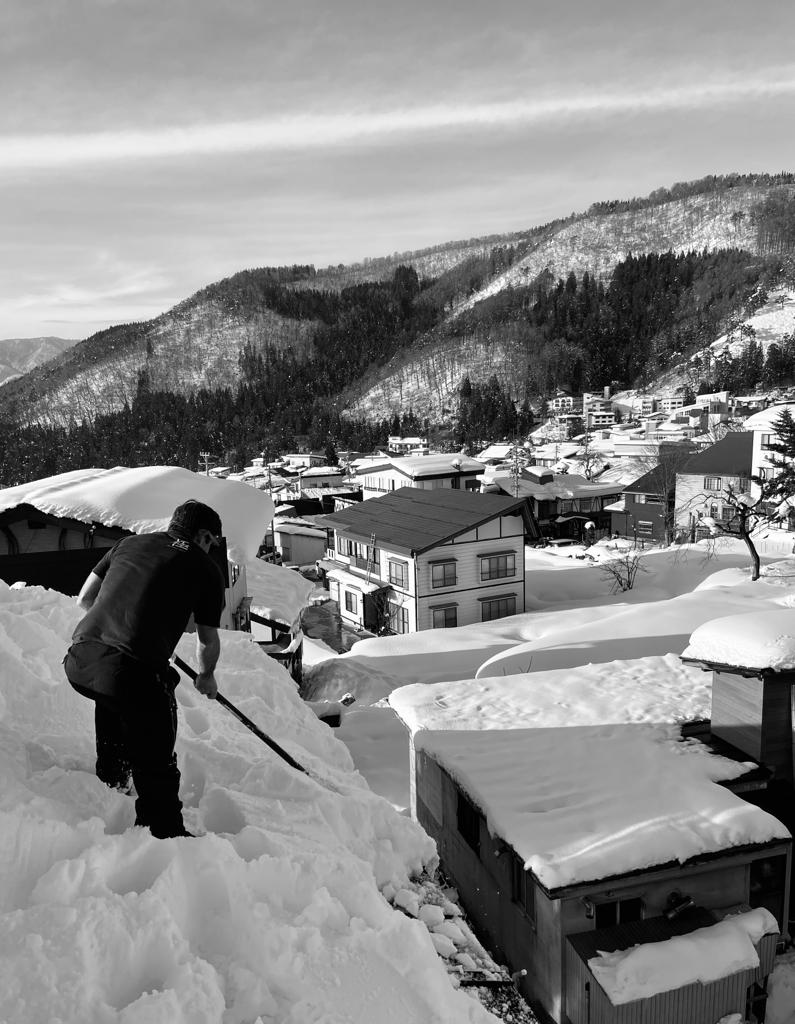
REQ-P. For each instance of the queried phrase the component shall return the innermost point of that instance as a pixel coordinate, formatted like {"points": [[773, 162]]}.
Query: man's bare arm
{"points": [[88, 592], [208, 650]]}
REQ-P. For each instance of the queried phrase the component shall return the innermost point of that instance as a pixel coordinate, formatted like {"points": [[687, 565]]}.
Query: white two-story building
{"points": [[427, 472], [418, 559]]}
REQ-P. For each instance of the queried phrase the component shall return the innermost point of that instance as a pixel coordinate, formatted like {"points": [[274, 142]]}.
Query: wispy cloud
{"points": [[318, 131]]}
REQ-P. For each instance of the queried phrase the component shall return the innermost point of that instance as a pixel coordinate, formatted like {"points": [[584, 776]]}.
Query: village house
{"points": [[561, 503], [703, 483], [54, 531], [398, 445], [417, 559], [646, 511], [428, 472], [580, 840], [762, 426]]}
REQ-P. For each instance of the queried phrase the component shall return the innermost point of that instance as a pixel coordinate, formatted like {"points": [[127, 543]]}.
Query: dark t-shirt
{"points": [[151, 584]]}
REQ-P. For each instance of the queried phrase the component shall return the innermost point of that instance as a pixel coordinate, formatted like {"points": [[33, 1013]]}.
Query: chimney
{"points": [[606, 392]]}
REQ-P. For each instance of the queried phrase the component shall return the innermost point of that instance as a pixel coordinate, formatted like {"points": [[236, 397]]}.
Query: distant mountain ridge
{"points": [[19, 356], [201, 341]]}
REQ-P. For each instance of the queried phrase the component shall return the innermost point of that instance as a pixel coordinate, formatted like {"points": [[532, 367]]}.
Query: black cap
{"points": [[193, 515]]}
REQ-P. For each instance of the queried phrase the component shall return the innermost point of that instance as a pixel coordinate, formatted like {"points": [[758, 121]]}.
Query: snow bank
{"points": [[754, 640], [142, 500], [704, 955], [275, 914]]}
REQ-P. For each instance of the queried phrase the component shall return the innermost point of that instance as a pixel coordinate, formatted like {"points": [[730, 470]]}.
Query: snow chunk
{"points": [[755, 640], [704, 955]]}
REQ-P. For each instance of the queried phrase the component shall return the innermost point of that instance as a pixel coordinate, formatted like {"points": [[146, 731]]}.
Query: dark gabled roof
{"points": [[413, 519], [731, 456], [650, 483]]}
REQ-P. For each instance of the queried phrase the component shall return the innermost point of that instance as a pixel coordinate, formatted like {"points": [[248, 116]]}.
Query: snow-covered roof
{"points": [[142, 500], [416, 466], [564, 485], [566, 767], [765, 419], [757, 640], [495, 451], [704, 955], [277, 593], [321, 471]]}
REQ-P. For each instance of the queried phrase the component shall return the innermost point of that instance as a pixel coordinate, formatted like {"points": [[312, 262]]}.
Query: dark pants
{"points": [[136, 729]]}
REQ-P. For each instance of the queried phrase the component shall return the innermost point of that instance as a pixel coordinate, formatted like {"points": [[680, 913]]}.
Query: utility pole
{"points": [[206, 457]]}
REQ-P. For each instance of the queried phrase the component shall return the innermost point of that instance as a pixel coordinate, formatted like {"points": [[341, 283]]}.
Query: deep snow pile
{"points": [[275, 914], [142, 500]]}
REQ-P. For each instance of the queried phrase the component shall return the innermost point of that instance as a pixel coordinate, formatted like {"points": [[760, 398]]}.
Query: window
{"points": [[445, 617], [472, 485], [618, 912], [351, 602], [497, 567], [640, 499], [455, 482], [468, 822], [523, 890], [398, 573], [712, 483], [443, 574], [343, 546], [398, 618], [645, 528], [498, 608], [766, 440], [767, 884]]}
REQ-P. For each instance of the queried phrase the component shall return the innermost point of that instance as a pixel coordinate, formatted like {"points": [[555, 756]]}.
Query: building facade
{"points": [[418, 559]]}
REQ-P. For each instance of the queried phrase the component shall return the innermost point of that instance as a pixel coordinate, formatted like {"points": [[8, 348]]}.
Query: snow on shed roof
{"points": [[142, 500], [585, 774], [756, 640]]}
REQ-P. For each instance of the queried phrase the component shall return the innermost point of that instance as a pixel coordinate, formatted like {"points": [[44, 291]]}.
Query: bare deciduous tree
{"points": [[622, 571]]}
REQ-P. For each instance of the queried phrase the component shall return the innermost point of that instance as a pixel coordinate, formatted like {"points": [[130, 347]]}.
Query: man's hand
{"points": [[205, 683]]}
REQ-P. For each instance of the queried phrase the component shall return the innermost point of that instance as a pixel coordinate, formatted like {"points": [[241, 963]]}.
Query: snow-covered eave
{"points": [[662, 869], [748, 671]]}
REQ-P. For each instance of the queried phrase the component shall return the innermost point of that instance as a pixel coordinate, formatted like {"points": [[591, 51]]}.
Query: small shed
{"points": [[573, 816]]}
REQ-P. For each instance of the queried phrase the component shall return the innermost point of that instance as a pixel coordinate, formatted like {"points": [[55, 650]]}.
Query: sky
{"points": [[148, 149]]}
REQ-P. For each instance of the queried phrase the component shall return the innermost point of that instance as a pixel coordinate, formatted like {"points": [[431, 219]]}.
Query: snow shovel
{"points": [[248, 723]]}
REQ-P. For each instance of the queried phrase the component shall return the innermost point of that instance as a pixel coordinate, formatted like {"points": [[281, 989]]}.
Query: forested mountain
{"points": [[613, 296], [20, 355]]}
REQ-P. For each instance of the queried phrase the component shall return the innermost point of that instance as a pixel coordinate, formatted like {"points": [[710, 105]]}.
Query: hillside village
{"points": [[416, 541], [494, 649]]}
